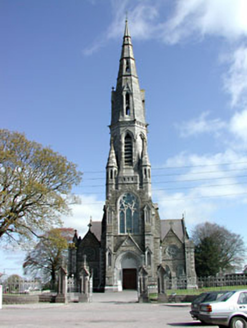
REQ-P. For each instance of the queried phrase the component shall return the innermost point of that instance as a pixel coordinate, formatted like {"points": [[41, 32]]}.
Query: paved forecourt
{"points": [[105, 311]]}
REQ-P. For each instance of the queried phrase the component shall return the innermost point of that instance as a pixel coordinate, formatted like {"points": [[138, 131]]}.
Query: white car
{"points": [[229, 310]]}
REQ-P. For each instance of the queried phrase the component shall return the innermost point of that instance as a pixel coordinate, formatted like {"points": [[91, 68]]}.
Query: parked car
{"points": [[229, 310], [204, 297]]}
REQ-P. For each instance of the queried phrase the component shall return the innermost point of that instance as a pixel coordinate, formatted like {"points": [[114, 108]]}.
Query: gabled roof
{"points": [[177, 226]]}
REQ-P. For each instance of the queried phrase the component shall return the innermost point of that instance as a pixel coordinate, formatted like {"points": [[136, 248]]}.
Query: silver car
{"points": [[202, 298], [229, 310]]}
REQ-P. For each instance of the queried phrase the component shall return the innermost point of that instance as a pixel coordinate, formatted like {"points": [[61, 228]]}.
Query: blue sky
{"points": [[59, 61]]}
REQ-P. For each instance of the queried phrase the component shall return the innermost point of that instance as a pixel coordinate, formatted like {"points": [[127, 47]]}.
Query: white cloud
{"points": [[201, 125], [238, 125], [142, 16], [90, 207], [224, 18], [235, 81], [204, 185], [231, 133], [177, 205]]}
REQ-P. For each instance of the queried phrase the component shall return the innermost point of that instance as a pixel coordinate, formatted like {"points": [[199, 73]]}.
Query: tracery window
{"points": [[128, 214]]}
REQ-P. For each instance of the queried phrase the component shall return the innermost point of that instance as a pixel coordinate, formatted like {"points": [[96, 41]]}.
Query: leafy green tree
{"points": [[216, 249], [35, 187], [48, 255]]}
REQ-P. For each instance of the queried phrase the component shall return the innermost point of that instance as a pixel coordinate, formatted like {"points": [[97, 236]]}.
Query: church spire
{"points": [[128, 161], [127, 61], [127, 100]]}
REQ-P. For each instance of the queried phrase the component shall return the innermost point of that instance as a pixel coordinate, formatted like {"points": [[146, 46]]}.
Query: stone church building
{"points": [[131, 233]]}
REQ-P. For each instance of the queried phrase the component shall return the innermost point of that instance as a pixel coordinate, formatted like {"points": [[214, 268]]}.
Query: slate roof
{"points": [[96, 229], [176, 225]]}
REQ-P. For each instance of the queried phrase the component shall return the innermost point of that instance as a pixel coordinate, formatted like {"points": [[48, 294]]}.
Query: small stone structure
{"points": [[85, 293], [62, 286], [162, 278], [143, 285]]}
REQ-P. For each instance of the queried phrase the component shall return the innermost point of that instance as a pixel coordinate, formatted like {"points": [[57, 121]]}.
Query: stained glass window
{"points": [[128, 214]]}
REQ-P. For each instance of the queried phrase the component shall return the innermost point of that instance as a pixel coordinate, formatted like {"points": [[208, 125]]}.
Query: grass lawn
{"points": [[202, 290], [154, 296]]}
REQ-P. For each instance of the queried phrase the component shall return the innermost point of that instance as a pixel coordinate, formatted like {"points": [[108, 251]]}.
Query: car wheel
{"points": [[238, 322]]}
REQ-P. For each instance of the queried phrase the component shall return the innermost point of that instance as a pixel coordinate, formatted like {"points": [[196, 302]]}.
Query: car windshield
{"points": [[226, 296], [214, 296]]}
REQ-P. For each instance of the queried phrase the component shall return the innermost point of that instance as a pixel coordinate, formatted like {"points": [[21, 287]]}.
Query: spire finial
{"points": [[126, 32]]}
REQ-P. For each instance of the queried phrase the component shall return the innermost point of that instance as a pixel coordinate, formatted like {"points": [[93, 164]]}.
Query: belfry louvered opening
{"points": [[128, 152]]}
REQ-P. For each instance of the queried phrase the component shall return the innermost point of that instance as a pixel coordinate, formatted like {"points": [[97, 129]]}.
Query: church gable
{"points": [[89, 239], [129, 245], [173, 226], [88, 246]]}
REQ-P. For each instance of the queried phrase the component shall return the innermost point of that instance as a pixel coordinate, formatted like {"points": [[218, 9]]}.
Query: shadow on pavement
{"points": [[188, 324]]}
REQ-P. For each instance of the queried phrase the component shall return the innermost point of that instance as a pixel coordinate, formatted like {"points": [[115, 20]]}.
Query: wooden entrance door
{"points": [[129, 279]]}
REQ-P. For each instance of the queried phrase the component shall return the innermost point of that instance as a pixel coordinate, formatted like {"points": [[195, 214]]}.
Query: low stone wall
{"points": [[51, 298], [181, 298], [47, 298], [20, 299]]}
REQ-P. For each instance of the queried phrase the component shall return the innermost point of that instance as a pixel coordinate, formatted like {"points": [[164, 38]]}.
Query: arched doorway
{"points": [[129, 266]]}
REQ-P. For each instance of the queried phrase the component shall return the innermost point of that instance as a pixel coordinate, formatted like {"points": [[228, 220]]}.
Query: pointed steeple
{"points": [[126, 31], [127, 100], [127, 60], [128, 161], [145, 158], [112, 161], [111, 169]]}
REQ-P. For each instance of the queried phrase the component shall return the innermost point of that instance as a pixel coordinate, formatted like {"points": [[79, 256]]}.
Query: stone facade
{"points": [[131, 234]]}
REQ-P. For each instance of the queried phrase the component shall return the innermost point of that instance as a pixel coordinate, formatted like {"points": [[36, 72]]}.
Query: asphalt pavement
{"points": [[108, 310]]}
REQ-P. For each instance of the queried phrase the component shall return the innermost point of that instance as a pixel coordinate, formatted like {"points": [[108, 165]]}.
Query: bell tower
{"points": [[131, 219]]}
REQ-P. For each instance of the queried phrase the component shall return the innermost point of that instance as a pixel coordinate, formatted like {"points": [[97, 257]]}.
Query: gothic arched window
{"points": [[128, 153], [147, 214], [128, 214]]}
